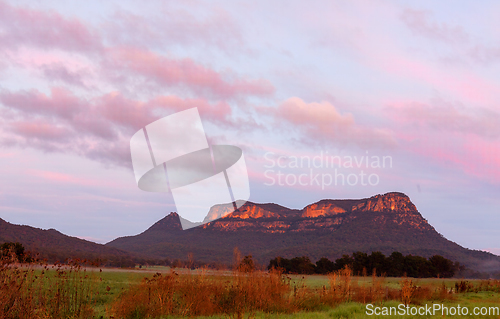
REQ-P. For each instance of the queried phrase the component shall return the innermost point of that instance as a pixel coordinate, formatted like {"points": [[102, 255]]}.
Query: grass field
{"points": [[119, 280], [161, 292]]}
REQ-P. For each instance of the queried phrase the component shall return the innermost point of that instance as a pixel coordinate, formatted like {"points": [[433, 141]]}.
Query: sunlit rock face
{"points": [[396, 202], [399, 207], [219, 211], [252, 211], [328, 228], [322, 209], [325, 215], [248, 210]]}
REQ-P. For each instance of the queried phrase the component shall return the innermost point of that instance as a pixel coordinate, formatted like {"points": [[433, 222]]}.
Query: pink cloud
{"points": [[97, 128], [174, 26], [485, 54], [322, 122], [441, 115], [473, 156], [389, 50], [133, 114], [58, 177], [42, 130], [61, 103], [462, 83], [420, 23], [46, 38], [60, 72], [23, 26], [450, 137], [185, 73], [219, 112], [54, 176]]}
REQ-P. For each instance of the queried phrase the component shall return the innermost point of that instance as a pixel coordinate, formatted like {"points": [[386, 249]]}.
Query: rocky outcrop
{"points": [[326, 215], [248, 210], [390, 202], [322, 209], [328, 228]]}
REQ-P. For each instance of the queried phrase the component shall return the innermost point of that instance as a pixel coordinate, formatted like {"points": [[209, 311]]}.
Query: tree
{"points": [[281, 264], [302, 265], [346, 260], [417, 267], [395, 264], [444, 267], [360, 262], [324, 266], [378, 262]]}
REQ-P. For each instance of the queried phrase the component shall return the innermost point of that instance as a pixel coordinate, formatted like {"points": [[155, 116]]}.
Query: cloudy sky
{"points": [[417, 82]]}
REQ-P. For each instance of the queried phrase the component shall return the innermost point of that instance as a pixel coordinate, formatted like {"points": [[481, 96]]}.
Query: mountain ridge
{"points": [[54, 246], [328, 228]]}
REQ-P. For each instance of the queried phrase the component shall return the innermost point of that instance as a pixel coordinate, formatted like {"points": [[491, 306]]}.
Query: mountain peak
{"points": [[169, 222], [388, 202], [328, 228]]}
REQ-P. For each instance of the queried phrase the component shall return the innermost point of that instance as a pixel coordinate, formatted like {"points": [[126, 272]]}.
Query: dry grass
{"points": [[68, 291], [195, 295], [40, 291]]}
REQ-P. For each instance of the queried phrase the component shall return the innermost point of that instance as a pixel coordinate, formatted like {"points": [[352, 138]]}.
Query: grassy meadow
{"points": [[73, 291]]}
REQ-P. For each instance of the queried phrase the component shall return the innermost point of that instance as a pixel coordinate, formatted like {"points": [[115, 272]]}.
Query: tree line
{"points": [[395, 265]]}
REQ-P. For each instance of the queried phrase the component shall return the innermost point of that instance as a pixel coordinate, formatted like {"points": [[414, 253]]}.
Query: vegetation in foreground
{"points": [[72, 291]]}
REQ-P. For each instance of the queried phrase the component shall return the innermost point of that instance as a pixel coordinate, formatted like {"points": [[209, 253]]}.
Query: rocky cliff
{"points": [[328, 228]]}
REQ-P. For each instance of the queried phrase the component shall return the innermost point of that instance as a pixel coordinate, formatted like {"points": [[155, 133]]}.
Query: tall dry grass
{"points": [[196, 295], [249, 292], [42, 291]]}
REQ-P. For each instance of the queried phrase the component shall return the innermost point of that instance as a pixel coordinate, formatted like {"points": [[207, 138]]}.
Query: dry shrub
{"points": [[411, 293], [407, 290], [201, 295], [443, 293], [28, 291], [340, 286], [463, 286], [195, 295], [421, 294], [344, 287], [305, 298], [371, 293], [489, 285]]}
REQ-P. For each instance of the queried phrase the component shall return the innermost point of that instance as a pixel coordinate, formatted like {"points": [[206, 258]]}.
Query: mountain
{"points": [[328, 228], [55, 246]]}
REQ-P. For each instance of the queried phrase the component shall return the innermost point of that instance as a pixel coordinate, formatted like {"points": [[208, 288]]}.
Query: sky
{"points": [[327, 99]]}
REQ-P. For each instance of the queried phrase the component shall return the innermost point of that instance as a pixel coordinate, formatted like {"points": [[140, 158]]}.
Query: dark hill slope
{"points": [[328, 228], [55, 246]]}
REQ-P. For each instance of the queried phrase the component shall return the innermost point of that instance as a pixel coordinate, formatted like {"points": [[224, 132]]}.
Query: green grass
{"points": [[353, 310], [110, 283]]}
